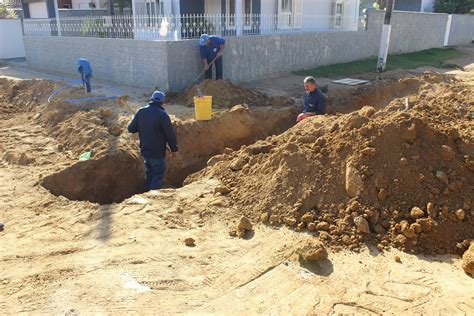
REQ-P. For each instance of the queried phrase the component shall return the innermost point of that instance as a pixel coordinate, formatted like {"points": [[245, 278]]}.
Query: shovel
{"points": [[200, 74]]}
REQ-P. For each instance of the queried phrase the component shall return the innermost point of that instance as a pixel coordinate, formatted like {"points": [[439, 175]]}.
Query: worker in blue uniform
{"points": [[211, 48], [85, 69]]}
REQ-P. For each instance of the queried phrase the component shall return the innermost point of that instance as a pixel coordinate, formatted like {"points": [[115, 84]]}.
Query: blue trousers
{"points": [[155, 172], [86, 81], [218, 64]]}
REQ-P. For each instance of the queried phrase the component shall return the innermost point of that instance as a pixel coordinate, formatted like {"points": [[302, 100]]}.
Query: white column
{"points": [[56, 10], [239, 19], [134, 9], [176, 9], [357, 15]]}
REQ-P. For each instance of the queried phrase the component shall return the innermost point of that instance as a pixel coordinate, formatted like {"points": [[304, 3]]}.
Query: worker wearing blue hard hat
{"points": [[155, 131], [211, 48], [85, 69]]}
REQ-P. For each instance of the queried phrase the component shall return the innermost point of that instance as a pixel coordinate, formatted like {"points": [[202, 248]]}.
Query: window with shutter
{"points": [[339, 15]]}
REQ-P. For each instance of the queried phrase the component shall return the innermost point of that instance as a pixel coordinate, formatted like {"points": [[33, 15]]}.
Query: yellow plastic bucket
{"points": [[203, 108]]}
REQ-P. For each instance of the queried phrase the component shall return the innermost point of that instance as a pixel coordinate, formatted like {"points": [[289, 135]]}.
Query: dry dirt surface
{"points": [[362, 212], [225, 94]]}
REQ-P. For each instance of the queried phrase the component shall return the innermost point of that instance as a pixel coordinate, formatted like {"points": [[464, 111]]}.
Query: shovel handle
{"points": [[209, 65]]}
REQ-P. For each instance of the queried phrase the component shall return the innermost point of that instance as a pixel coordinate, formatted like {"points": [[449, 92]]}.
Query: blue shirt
{"points": [[315, 102], [210, 52], [84, 67], [155, 131]]}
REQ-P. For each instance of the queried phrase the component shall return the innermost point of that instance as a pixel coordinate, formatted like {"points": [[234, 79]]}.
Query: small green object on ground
{"points": [[85, 156]]}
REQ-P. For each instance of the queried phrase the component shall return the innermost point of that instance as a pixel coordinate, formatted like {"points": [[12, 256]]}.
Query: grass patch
{"points": [[432, 57]]}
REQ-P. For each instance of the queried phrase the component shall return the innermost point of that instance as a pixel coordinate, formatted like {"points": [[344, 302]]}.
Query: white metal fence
{"points": [[189, 26]]}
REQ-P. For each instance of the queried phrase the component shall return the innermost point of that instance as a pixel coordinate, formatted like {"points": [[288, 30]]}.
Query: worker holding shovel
{"points": [[211, 49], [155, 131], [85, 69]]}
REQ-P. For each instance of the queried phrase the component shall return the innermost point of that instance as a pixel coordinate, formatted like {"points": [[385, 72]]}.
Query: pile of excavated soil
{"points": [[377, 94], [225, 94], [82, 127], [22, 95], [401, 176], [227, 131]]}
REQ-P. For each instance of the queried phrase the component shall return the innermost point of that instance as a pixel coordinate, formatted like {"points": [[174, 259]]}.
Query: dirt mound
{"points": [[82, 126], [23, 95], [401, 176], [225, 94], [227, 131], [378, 94]]}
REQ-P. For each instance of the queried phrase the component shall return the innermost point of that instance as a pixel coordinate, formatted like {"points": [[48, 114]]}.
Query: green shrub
{"points": [[7, 13]]}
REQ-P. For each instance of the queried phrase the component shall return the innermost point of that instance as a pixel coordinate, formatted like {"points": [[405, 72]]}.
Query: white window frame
{"points": [[339, 16], [247, 23], [288, 8], [228, 15], [285, 14]]}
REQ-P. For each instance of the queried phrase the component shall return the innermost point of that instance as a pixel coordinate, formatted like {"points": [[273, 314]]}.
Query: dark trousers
{"points": [[155, 172], [86, 81], [218, 64]]}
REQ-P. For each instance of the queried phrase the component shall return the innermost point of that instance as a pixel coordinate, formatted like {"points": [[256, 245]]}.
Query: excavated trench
{"points": [[115, 177]]}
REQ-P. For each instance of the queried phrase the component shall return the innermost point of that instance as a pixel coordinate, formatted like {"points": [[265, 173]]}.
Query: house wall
{"points": [[322, 8], [462, 29], [175, 7], [38, 10], [212, 6], [319, 7], [269, 7], [80, 4]]}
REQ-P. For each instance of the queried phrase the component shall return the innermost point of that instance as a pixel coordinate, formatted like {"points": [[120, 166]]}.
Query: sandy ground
{"points": [[71, 257]]}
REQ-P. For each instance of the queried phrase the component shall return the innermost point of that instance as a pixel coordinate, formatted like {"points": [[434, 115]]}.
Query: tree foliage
{"points": [[7, 13], [454, 6]]}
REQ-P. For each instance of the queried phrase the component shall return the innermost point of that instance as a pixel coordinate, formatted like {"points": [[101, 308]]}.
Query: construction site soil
{"points": [[399, 175], [390, 167], [225, 94]]}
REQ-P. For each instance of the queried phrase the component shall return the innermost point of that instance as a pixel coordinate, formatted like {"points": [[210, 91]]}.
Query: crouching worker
{"points": [[155, 131], [314, 100], [85, 69]]}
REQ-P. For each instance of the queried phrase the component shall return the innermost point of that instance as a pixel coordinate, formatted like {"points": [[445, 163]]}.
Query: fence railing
{"points": [[11, 3], [188, 26]]}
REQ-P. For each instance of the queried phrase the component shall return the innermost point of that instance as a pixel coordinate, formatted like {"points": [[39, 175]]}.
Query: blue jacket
{"points": [[84, 67], [210, 52], [315, 102], [154, 129]]}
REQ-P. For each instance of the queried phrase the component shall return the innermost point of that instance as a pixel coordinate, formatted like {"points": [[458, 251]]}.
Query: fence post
{"points": [[448, 30], [58, 23]]}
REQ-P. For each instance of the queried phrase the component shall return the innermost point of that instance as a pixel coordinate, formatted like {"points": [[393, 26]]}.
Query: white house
{"points": [[236, 17]]}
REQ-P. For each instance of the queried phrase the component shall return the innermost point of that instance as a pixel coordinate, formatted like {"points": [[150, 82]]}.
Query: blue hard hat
{"points": [[158, 96], [203, 40]]}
